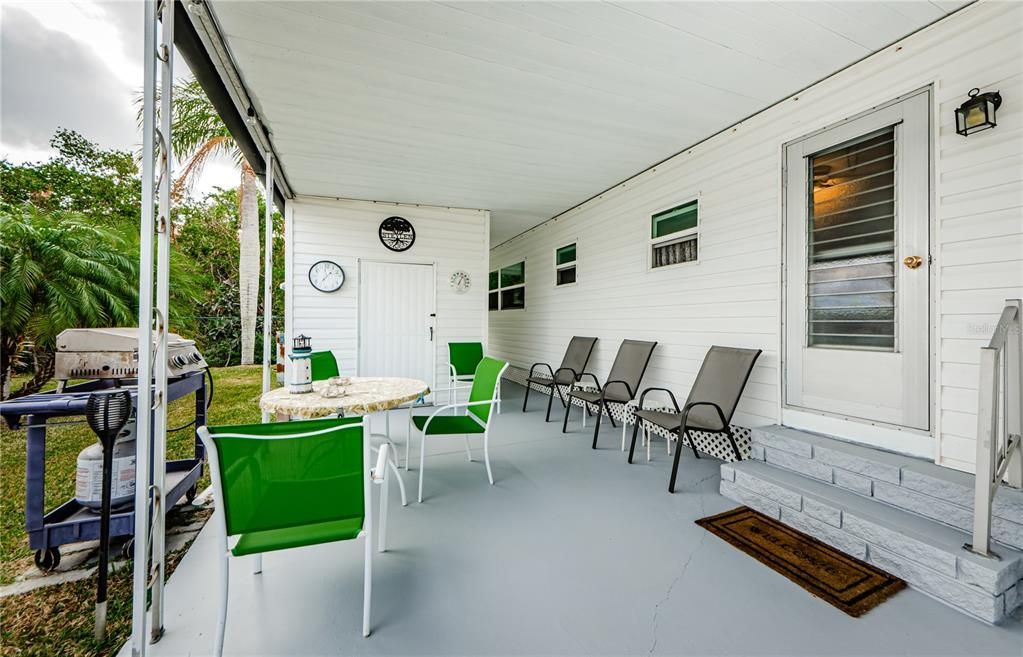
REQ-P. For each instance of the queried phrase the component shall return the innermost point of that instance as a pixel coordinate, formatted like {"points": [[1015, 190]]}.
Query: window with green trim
{"points": [[507, 287], [564, 265], [674, 238]]}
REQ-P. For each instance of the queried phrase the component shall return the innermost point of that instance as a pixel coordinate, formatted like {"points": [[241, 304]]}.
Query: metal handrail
{"points": [[999, 421]]}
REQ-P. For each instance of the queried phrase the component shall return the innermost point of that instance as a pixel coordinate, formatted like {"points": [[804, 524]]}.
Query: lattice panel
{"points": [[714, 444]]}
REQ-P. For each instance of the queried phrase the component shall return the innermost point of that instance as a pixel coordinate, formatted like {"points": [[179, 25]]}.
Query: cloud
{"points": [[77, 65], [50, 80]]}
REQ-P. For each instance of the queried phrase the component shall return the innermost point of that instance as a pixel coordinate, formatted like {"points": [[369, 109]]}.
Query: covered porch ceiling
{"points": [[524, 108]]}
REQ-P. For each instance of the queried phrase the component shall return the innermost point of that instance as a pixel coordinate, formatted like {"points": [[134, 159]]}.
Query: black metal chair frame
{"points": [[683, 428], [602, 403], [554, 386], [683, 431]]}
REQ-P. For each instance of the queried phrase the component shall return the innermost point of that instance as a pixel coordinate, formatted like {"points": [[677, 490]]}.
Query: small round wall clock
{"points": [[460, 282], [326, 276], [397, 234]]}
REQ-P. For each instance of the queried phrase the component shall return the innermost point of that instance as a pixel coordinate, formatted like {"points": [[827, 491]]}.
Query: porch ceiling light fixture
{"points": [[977, 113]]}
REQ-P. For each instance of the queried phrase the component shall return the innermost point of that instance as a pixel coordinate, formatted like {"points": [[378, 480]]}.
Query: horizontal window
{"points": [[507, 288], [673, 235], [566, 276], [676, 219], [513, 275]]}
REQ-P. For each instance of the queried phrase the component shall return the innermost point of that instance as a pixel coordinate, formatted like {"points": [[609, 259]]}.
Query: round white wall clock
{"points": [[460, 282], [326, 276]]}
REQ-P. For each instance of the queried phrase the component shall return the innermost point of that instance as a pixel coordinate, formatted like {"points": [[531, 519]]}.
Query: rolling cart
{"points": [[71, 522]]}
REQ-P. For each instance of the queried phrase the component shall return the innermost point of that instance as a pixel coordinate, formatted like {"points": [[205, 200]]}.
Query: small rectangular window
{"points": [[674, 235], [507, 287], [513, 275], [564, 265]]}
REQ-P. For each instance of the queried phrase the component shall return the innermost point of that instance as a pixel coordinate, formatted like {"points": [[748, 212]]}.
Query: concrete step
{"points": [[927, 554], [901, 481]]}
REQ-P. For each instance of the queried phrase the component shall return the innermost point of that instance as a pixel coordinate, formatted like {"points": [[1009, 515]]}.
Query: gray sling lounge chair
{"points": [[621, 386], [711, 403], [573, 365]]}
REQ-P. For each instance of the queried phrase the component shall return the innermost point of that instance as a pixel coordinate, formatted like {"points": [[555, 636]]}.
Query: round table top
{"points": [[364, 395]]}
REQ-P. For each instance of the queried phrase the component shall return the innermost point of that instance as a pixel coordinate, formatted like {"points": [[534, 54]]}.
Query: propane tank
{"points": [[89, 478]]}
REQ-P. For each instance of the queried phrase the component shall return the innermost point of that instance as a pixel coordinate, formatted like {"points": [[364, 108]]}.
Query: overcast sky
{"points": [[77, 65]]}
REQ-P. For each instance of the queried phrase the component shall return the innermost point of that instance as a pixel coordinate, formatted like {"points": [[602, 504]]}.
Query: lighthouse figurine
{"points": [[300, 370]]}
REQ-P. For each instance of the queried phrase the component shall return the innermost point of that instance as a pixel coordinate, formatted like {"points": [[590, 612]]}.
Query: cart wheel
{"points": [[191, 493], [47, 560], [128, 549]]}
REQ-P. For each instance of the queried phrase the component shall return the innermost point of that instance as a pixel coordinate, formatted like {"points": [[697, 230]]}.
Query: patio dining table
{"points": [[361, 395]]}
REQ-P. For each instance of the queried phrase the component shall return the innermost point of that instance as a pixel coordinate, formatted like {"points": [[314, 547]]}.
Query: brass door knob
{"points": [[913, 262]]}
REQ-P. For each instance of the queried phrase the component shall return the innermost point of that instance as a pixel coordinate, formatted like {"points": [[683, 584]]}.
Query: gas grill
{"points": [[112, 353]]}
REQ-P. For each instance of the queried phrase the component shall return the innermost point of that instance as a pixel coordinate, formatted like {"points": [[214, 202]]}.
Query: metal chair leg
{"points": [[735, 447], [596, 427], [560, 395], [568, 407], [526, 399], [550, 400], [674, 467]]}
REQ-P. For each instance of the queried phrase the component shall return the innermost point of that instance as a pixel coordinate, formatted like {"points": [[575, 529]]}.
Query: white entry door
{"points": [[857, 267], [396, 320]]}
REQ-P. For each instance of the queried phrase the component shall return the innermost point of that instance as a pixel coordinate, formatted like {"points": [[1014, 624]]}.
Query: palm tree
{"points": [[59, 271], [197, 134]]}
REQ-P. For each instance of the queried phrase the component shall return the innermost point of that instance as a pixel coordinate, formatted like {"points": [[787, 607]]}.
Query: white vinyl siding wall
{"points": [[345, 231], [732, 296]]}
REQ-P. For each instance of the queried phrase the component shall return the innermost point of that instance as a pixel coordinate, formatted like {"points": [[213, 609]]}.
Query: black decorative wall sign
{"points": [[397, 234]]}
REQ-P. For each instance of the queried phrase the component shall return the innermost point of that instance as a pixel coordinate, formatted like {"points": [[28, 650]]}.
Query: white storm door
{"points": [[857, 336], [396, 320]]}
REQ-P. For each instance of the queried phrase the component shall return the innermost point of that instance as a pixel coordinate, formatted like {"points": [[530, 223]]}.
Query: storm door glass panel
{"points": [[851, 245]]}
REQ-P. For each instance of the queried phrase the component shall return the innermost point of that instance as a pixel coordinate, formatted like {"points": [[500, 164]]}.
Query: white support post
{"points": [[1014, 397], [987, 427], [145, 365], [268, 261], [165, 56]]}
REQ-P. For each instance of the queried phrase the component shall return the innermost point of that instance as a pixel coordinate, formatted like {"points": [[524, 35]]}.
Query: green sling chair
{"points": [[463, 359], [293, 484], [477, 418], [323, 365]]}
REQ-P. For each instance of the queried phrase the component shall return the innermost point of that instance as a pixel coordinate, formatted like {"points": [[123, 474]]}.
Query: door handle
{"points": [[913, 262], [431, 334]]}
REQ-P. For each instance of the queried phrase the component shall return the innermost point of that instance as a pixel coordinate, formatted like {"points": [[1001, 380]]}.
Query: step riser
{"points": [[886, 478], [983, 592]]}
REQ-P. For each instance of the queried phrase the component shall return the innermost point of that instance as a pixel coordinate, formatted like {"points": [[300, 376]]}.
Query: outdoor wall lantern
{"points": [[977, 113]]}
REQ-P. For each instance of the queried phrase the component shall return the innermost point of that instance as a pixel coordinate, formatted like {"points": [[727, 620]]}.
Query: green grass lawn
{"points": [[235, 401]]}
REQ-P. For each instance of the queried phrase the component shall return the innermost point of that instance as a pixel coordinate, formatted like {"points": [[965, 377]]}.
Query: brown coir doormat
{"points": [[849, 584]]}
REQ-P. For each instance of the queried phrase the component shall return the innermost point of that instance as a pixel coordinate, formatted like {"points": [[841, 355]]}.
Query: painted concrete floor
{"points": [[572, 552]]}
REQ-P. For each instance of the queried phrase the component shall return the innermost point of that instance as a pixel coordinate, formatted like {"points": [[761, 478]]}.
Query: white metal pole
{"points": [[165, 55], [987, 437], [1014, 394], [144, 403], [268, 261]]}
